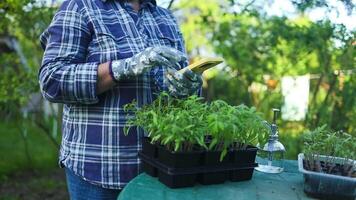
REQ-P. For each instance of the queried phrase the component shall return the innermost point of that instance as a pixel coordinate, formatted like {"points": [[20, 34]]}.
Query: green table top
{"points": [[287, 185]]}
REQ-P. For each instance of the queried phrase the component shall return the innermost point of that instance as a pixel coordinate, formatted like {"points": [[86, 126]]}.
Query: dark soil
{"points": [[347, 170], [34, 185]]}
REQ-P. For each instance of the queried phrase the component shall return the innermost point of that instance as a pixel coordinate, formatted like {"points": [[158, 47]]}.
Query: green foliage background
{"points": [[255, 44], [24, 21]]}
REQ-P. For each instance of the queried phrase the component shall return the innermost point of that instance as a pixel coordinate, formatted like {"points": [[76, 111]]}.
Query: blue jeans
{"points": [[79, 189]]}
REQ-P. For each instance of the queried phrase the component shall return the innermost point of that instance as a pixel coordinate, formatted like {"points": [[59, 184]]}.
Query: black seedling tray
{"points": [[178, 159], [247, 155], [241, 174], [149, 169], [188, 176], [177, 181], [151, 151], [148, 148], [242, 156], [235, 158], [212, 158]]}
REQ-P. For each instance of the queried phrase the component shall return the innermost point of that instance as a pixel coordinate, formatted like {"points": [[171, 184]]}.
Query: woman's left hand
{"points": [[182, 83]]}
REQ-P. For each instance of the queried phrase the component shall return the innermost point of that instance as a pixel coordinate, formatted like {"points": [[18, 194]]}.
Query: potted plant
{"points": [[233, 130], [328, 164], [251, 131], [148, 148], [188, 137], [177, 127]]}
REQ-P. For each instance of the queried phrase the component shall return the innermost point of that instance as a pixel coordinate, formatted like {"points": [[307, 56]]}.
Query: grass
{"points": [[42, 153], [35, 185], [36, 176]]}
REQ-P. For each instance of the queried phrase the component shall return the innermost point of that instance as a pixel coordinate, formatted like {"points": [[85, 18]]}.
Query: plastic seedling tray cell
{"points": [[241, 175], [149, 169], [212, 158], [327, 186], [177, 181], [179, 159], [151, 151], [246, 156], [148, 148], [210, 178], [167, 175]]}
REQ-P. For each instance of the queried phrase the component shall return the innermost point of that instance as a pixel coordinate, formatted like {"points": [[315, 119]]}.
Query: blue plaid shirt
{"points": [[83, 34]]}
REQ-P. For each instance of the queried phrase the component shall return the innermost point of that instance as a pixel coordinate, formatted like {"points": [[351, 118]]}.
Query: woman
{"points": [[100, 55]]}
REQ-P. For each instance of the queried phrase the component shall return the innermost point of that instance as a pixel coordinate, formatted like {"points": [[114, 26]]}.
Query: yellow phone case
{"points": [[203, 64]]}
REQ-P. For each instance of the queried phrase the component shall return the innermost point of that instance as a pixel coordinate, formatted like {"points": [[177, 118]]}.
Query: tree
{"points": [[255, 45], [22, 22]]}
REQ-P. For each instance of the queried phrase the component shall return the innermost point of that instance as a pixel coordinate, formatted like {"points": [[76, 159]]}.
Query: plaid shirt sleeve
{"points": [[64, 76]]}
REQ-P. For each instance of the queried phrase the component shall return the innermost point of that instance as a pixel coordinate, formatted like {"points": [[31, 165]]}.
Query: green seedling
{"points": [[178, 124], [184, 124], [234, 127], [332, 144]]}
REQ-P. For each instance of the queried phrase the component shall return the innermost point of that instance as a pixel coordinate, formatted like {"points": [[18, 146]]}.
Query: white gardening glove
{"points": [[182, 84], [145, 61]]}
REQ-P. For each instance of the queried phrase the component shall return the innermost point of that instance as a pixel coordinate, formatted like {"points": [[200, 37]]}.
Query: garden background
{"points": [[261, 41]]}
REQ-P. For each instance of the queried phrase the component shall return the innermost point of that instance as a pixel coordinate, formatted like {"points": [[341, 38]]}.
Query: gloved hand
{"points": [[145, 61], [182, 84]]}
